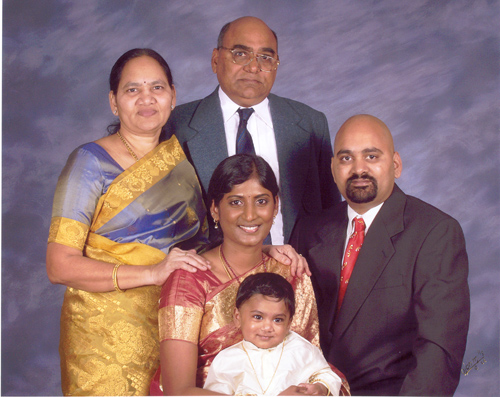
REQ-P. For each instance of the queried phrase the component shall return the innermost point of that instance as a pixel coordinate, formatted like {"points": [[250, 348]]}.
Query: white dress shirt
{"points": [[270, 370], [260, 127], [368, 218]]}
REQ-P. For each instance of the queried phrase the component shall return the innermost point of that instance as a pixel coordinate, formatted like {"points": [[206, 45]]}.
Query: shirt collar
{"points": [[368, 217], [229, 108]]}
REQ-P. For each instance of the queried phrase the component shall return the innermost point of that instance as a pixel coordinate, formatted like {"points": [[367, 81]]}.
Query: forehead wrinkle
{"points": [[247, 48], [242, 47]]}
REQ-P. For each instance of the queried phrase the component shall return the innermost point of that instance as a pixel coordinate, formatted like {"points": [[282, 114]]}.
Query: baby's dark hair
{"points": [[267, 284]]}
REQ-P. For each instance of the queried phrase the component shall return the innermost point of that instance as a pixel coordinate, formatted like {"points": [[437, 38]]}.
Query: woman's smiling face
{"points": [[246, 213]]}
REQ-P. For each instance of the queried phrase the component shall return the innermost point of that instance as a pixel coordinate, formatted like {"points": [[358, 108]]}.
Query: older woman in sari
{"points": [[196, 309], [121, 204]]}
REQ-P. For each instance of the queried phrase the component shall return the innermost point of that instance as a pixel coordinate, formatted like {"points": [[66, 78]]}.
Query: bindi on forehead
{"points": [[145, 82]]}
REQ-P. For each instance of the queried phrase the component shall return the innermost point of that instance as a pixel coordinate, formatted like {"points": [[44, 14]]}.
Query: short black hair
{"points": [[267, 284]]}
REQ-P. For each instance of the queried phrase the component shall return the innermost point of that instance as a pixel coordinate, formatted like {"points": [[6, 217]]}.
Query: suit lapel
{"points": [[326, 254], [293, 160], [374, 256], [207, 143]]}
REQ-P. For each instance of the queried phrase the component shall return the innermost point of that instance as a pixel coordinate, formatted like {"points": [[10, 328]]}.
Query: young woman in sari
{"points": [[196, 309], [121, 204]]}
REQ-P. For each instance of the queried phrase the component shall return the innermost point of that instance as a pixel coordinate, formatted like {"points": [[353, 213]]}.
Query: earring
{"points": [[274, 218], [216, 224], [116, 111], [171, 107]]}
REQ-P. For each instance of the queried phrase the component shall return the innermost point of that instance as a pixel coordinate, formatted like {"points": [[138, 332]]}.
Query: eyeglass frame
{"points": [[254, 56]]}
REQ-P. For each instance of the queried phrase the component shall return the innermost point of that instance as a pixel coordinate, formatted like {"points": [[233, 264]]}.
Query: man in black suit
{"points": [[401, 326], [292, 137]]}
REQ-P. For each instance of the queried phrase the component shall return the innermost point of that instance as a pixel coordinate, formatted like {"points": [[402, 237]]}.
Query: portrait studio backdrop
{"points": [[429, 69]]}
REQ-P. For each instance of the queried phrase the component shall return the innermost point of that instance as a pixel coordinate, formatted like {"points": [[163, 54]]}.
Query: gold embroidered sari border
{"points": [[68, 232], [180, 323], [137, 179]]}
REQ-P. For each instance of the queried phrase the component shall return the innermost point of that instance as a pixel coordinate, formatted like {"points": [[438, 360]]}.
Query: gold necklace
{"points": [[222, 259], [129, 149], [255, 372], [227, 266]]}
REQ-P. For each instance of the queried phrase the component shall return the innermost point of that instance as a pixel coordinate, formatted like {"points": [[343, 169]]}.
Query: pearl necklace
{"points": [[255, 372], [129, 149]]}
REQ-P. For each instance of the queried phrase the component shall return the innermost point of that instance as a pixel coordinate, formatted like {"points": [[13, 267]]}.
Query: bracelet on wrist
{"points": [[115, 280]]}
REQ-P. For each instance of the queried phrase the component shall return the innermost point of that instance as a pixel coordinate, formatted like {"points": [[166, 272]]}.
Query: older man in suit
{"points": [[242, 116], [393, 297]]}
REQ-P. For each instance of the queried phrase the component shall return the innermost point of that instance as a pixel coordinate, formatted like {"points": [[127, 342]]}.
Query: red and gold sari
{"points": [[198, 308]]}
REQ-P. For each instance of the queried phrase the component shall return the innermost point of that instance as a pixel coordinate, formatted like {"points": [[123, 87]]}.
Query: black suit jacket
{"points": [[302, 140], [403, 324]]}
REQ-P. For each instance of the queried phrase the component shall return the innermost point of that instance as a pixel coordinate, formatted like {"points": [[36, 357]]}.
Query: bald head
{"points": [[368, 123], [364, 163], [253, 21], [246, 85]]}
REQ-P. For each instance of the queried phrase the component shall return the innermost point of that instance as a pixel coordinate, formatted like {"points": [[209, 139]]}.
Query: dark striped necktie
{"points": [[244, 143]]}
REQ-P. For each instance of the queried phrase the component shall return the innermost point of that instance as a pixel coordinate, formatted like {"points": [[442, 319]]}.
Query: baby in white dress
{"points": [[271, 359]]}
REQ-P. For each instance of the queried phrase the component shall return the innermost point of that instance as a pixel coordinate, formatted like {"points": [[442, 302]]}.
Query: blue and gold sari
{"points": [[109, 341]]}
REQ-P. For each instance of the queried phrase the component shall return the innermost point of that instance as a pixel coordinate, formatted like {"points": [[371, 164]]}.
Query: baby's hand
{"points": [[313, 389]]}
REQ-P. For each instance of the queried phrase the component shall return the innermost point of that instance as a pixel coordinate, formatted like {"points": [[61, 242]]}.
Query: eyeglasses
{"points": [[243, 57]]}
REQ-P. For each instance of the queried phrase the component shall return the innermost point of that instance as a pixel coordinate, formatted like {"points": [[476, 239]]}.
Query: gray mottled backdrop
{"points": [[429, 69]]}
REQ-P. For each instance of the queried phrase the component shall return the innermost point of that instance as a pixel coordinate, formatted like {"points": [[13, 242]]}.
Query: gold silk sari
{"points": [[109, 341]]}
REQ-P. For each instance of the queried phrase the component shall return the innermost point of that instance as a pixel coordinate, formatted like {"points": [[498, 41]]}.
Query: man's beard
{"points": [[361, 195]]}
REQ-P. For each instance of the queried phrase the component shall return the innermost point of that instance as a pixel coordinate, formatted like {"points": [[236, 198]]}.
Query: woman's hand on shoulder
{"points": [[178, 259], [287, 255]]}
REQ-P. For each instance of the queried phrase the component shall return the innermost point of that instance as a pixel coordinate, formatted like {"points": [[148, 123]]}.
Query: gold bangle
{"points": [[328, 392], [115, 281]]}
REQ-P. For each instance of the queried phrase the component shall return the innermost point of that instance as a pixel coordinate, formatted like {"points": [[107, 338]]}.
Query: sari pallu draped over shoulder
{"points": [[109, 341]]}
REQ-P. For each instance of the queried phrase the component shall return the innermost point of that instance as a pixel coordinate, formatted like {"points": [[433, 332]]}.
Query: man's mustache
{"points": [[362, 176]]}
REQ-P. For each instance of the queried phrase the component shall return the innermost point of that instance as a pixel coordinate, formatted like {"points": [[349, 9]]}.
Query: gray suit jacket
{"points": [[402, 327], [302, 140]]}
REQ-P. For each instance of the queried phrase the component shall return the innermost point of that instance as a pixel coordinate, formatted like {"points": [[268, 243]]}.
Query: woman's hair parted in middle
{"points": [[267, 284], [238, 169], [116, 73]]}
